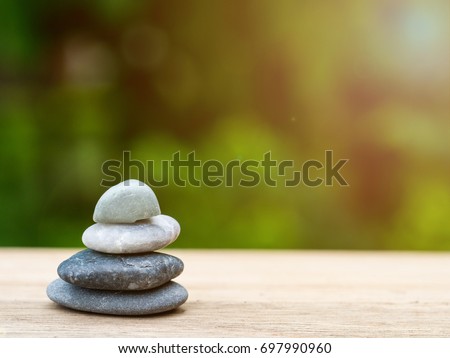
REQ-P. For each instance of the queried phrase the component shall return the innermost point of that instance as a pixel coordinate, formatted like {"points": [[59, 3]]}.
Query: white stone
{"points": [[144, 236], [127, 202]]}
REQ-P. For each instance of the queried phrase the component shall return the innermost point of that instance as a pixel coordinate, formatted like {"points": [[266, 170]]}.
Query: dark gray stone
{"points": [[92, 269], [164, 298]]}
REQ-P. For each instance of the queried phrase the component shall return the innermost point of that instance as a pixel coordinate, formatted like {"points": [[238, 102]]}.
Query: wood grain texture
{"points": [[250, 294]]}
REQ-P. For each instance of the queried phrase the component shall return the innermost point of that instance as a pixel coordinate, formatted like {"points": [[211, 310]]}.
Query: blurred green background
{"points": [[82, 81]]}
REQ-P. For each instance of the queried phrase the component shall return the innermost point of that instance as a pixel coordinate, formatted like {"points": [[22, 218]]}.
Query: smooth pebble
{"points": [[92, 269], [143, 236], [126, 203], [164, 298]]}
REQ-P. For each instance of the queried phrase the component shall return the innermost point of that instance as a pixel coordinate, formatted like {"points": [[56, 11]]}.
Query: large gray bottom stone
{"points": [[125, 303], [92, 269]]}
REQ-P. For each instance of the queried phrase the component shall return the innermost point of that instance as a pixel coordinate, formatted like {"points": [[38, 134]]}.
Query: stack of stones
{"points": [[120, 273]]}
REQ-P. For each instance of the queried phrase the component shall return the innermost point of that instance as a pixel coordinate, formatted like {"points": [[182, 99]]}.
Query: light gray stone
{"points": [[92, 269], [126, 203], [125, 303], [144, 236]]}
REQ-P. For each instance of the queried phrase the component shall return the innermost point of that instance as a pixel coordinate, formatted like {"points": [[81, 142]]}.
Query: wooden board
{"points": [[250, 294]]}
